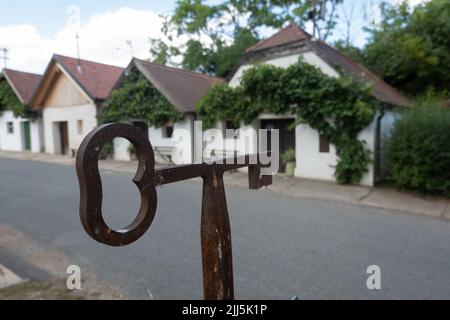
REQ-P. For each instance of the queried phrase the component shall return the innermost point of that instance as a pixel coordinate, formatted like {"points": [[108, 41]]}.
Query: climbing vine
{"points": [[136, 98], [339, 108], [9, 101]]}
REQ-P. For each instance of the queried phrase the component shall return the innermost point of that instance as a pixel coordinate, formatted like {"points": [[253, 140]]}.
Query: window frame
{"points": [[168, 132], [324, 144], [10, 127]]}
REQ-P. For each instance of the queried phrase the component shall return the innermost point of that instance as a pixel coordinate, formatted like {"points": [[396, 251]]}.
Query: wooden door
{"points": [[26, 131], [64, 134], [287, 135]]}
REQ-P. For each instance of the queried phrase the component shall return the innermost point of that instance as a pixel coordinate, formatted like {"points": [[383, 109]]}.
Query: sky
{"points": [[110, 31]]}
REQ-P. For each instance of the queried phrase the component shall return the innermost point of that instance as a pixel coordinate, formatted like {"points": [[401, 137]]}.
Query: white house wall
{"points": [[286, 61], [181, 143], [15, 141], [71, 115], [246, 141], [312, 164], [180, 150]]}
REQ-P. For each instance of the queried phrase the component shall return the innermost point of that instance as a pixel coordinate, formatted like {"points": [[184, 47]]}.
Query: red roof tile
{"points": [[291, 34], [182, 88], [381, 90], [96, 79], [23, 83], [286, 35]]}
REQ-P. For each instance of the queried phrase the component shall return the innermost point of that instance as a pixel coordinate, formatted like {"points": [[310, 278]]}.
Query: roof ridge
{"points": [[180, 70], [298, 30], [84, 60]]}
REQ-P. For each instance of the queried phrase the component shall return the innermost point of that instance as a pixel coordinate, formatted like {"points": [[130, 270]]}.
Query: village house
{"points": [[16, 133], [183, 89], [315, 157], [70, 96]]}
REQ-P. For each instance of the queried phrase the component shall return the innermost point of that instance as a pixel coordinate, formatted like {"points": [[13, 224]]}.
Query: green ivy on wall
{"points": [[9, 101], [339, 108], [136, 98]]}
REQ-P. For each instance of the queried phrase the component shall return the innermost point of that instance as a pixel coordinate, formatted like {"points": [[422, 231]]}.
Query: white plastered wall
{"points": [[71, 114], [15, 141], [179, 147], [310, 162]]}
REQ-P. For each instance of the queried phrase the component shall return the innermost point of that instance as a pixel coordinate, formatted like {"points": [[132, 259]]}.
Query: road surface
{"points": [[283, 247]]}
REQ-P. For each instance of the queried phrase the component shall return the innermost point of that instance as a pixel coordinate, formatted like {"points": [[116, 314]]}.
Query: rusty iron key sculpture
{"points": [[215, 223]]}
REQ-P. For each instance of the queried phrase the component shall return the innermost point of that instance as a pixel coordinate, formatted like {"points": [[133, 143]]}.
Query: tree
{"points": [[349, 50], [411, 49], [219, 34], [220, 59]]}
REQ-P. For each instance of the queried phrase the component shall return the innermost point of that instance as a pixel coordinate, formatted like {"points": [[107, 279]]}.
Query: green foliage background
{"points": [[339, 108], [136, 98], [232, 26], [9, 101], [419, 150], [410, 49]]}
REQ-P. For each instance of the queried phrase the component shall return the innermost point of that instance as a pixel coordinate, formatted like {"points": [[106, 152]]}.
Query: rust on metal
{"points": [[215, 222]]}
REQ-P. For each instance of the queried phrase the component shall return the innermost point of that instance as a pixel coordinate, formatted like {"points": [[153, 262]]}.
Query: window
{"points": [[324, 145], [10, 127], [80, 126], [229, 125], [168, 132]]}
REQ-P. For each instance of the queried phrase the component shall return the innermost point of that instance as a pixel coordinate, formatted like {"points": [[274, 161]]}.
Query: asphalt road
{"points": [[283, 247]]}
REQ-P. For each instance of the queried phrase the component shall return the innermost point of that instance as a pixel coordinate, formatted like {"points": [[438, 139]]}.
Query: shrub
{"points": [[107, 151], [288, 156], [419, 151]]}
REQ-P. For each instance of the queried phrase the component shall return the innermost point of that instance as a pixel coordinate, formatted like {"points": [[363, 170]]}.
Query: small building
{"points": [[315, 157], [183, 89], [16, 133], [70, 95]]}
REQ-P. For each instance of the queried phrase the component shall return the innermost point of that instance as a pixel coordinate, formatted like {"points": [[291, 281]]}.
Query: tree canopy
{"points": [[219, 34], [411, 49]]}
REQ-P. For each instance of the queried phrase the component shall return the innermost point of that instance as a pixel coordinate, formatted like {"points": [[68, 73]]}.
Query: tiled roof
{"points": [[182, 88], [96, 79], [23, 83], [287, 35], [292, 34], [381, 90]]}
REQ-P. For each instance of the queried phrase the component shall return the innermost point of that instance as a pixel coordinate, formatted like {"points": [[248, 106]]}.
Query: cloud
{"points": [[103, 38]]}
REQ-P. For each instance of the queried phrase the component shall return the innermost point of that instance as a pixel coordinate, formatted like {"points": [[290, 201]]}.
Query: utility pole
{"points": [[5, 56], [130, 44], [314, 14], [77, 37]]}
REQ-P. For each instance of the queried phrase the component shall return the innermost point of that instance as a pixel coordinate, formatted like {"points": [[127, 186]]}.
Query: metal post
{"points": [[217, 255]]}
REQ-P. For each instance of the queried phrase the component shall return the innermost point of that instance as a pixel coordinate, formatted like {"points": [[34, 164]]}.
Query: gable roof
{"points": [[289, 34], [182, 88], [293, 34], [95, 79], [381, 89], [22, 83]]}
